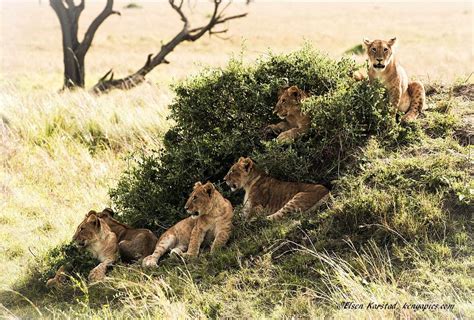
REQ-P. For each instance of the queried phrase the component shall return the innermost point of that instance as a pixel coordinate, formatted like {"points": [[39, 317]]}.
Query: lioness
{"points": [[408, 97], [288, 108], [211, 217], [94, 235], [272, 197], [134, 244]]}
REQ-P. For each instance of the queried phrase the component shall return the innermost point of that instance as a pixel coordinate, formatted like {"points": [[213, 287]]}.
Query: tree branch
{"points": [[185, 34], [90, 33]]}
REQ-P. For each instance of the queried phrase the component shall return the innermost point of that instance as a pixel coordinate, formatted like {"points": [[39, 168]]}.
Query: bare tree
{"points": [[74, 52], [187, 33]]}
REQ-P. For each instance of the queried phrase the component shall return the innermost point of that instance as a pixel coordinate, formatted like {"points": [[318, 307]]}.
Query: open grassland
{"points": [[60, 153]]}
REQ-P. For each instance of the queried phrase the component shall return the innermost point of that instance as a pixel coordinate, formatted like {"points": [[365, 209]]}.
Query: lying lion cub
{"points": [[211, 218], [408, 97], [94, 235], [288, 108], [272, 197], [134, 244]]}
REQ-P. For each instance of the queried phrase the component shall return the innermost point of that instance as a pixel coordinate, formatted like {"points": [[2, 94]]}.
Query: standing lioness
{"points": [[211, 217], [272, 197], [408, 97]]}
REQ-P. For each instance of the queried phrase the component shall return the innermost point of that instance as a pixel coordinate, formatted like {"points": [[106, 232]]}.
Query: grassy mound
{"points": [[220, 115], [398, 229]]}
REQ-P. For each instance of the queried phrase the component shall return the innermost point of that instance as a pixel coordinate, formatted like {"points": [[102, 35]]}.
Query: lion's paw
{"points": [[149, 262], [97, 274]]}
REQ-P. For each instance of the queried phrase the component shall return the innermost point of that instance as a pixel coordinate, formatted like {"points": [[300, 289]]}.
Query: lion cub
{"points": [[134, 244], [408, 97], [275, 198], [288, 108], [94, 235], [211, 217]]}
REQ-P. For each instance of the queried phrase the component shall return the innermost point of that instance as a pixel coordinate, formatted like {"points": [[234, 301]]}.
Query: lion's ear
{"points": [[209, 188], [392, 41], [295, 92], [248, 164], [197, 184], [367, 42], [108, 211], [94, 219], [92, 212]]}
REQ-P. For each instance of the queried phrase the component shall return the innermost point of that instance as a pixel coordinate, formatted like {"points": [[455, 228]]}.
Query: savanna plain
{"points": [[61, 152]]}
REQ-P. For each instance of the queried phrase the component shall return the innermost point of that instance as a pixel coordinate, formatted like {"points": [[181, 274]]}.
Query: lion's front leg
{"points": [[98, 273], [59, 278], [166, 242], [273, 130], [395, 96], [221, 239], [416, 91], [197, 237], [289, 135]]}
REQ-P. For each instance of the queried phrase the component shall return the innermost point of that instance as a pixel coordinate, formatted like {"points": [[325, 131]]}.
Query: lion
{"points": [[288, 107], [211, 218], [133, 244], [405, 96], [95, 235], [272, 197]]}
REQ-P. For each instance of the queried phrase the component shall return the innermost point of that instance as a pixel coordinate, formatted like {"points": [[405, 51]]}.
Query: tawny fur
{"points": [[95, 236], [58, 280], [211, 219], [288, 107], [405, 96], [134, 244], [271, 197]]}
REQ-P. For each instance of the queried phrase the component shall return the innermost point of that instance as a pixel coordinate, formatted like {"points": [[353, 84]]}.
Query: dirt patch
{"points": [[464, 90]]}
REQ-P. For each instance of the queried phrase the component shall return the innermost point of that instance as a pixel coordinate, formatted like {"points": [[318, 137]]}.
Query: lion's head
{"points": [[240, 173], [289, 101], [380, 52], [200, 199], [89, 230]]}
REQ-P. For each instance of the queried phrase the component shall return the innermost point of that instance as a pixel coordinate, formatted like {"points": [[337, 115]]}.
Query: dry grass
{"points": [[435, 38], [60, 153]]}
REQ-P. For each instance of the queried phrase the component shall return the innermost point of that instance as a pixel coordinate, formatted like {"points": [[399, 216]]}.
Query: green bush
{"points": [[220, 115]]}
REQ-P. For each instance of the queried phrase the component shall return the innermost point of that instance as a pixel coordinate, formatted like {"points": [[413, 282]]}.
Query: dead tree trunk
{"points": [[74, 52], [107, 82]]}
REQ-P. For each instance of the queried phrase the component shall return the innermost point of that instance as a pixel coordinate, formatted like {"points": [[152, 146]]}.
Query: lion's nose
{"points": [[186, 207], [379, 59], [225, 178]]}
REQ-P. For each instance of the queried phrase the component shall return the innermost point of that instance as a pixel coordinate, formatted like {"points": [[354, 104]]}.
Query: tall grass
{"points": [[59, 155]]}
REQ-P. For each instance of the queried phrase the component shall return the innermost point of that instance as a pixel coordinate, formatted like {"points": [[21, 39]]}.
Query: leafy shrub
{"points": [[220, 114]]}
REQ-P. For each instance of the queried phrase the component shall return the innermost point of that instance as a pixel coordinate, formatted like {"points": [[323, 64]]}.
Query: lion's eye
{"points": [[194, 198], [374, 50], [284, 100], [385, 49]]}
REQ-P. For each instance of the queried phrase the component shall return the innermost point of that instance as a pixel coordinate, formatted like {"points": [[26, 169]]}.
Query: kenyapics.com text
{"points": [[396, 305]]}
